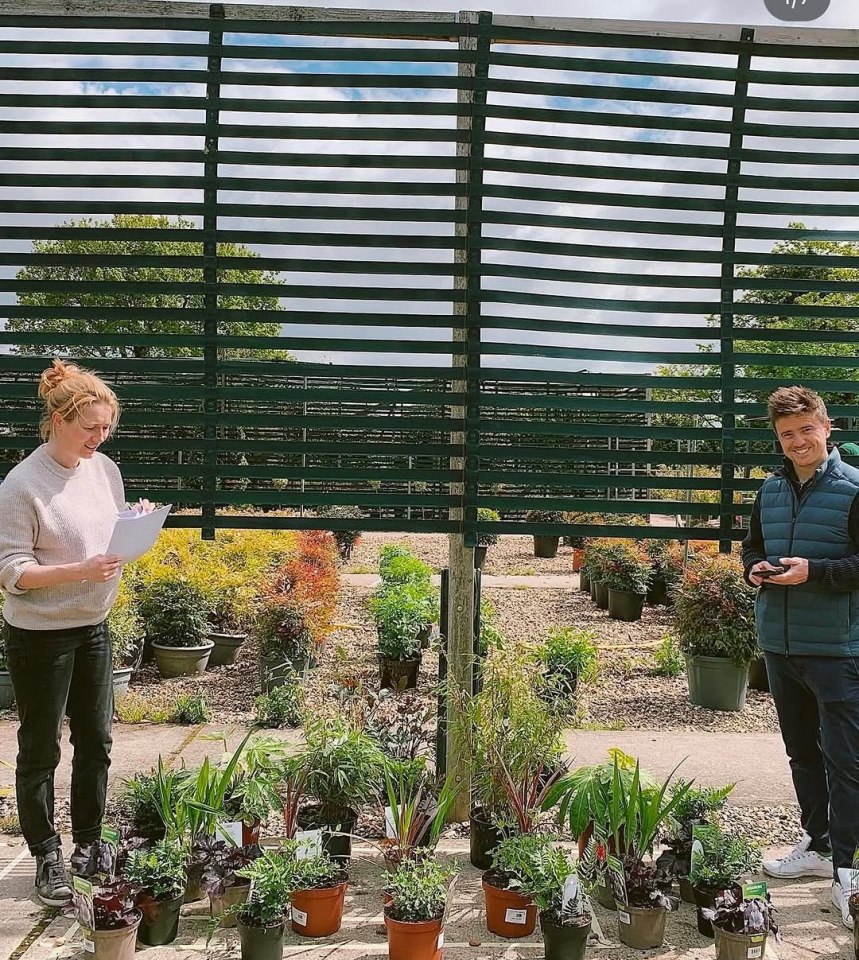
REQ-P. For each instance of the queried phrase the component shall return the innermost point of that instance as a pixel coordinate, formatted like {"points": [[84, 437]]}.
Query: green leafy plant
{"points": [[725, 859], [191, 708], [271, 877], [570, 655], [311, 873], [404, 568], [282, 706], [669, 657], [748, 917], [545, 883], [159, 871], [419, 889], [487, 515], [517, 859], [282, 628], [125, 628], [625, 566], [401, 611], [714, 611], [175, 612]]}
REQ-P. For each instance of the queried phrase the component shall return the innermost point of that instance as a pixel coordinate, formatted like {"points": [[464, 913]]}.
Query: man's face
{"points": [[803, 440]]}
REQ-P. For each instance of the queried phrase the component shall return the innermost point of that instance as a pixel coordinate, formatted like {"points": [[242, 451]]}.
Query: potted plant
{"points": [[485, 539], [261, 920], [666, 558], [565, 919], [318, 888], [718, 864], [176, 612], [346, 540], [545, 545], [742, 920], [139, 801], [414, 916], [398, 566], [714, 613], [696, 810], [126, 631], [160, 875], [626, 573], [285, 638], [343, 771], [569, 654], [108, 917], [758, 676], [595, 561], [230, 596], [401, 612], [578, 543], [221, 864], [510, 912]]}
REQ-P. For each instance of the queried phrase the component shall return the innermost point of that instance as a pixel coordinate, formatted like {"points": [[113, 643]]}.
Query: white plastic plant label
{"points": [[754, 953], [697, 849], [390, 824], [89, 945], [299, 917], [623, 916], [440, 942], [516, 916], [230, 832], [572, 891], [309, 844]]}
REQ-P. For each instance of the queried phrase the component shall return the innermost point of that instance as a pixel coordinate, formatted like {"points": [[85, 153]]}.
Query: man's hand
{"points": [[797, 571], [753, 573]]}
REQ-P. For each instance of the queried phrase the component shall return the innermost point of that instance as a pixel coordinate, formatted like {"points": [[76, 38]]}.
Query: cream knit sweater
{"points": [[51, 514]]}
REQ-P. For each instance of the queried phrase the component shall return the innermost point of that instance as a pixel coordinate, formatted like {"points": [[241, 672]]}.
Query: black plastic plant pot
{"points": [[484, 837], [717, 683], [160, 922], [601, 596], [758, 676], [546, 547], [261, 943], [657, 595], [338, 847], [584, 582], [399, 674], [625, 605], [567, 942], [705, 897]]}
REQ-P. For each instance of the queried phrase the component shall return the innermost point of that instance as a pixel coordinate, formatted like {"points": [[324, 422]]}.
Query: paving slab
{"points": [[811, 929], [756, 762]]}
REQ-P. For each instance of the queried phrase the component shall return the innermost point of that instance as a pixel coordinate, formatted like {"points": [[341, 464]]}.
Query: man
{"points": [[805, 527]]}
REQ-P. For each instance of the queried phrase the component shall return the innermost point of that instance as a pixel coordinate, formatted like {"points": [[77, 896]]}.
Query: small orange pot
{"points": [[318, 913], [578, 555], [508, 914], [414, 941]]}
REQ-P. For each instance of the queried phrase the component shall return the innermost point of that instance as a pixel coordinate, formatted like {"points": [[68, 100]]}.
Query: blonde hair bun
{"points": [[56, 373], [67, 390]]}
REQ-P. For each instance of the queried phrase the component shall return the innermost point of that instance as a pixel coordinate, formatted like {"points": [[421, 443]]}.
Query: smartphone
{"points": [[766, 574]]}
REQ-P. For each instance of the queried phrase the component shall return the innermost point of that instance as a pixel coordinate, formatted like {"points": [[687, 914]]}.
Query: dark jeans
{"points": [[55, 672], [817, 699]]}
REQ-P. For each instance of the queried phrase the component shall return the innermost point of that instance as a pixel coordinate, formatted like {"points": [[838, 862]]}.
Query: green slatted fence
{"points": [[422, 263]]}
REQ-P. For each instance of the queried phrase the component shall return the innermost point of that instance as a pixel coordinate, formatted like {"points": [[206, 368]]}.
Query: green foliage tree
{"points": [[134, 321]]}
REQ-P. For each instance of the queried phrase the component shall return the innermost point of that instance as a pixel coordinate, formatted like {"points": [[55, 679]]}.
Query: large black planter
{"points": [[601, 598], [657, 595], [338, 847], [568, 942], [399, 674], [625, 605], [484, 836], [261, 943], [546, 547], [758, 676], [160, 922]]}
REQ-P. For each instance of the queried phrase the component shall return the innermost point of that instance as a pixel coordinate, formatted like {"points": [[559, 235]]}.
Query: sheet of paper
{"points": [[135, 533]]}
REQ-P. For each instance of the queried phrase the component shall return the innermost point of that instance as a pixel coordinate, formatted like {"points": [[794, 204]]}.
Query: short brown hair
{"points": [[68, 389], [796, 401]]}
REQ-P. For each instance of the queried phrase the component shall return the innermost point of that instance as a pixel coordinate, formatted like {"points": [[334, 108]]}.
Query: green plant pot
{"points": [[584, 582], [605, 898], [226, 648], [738, 946], [592, 589], [758, 676], [121, 679], [641, 927], [160, 922], [717, 683], [568, 942], [546, 547], [601, 596], [399, 674], [625, 605], [275, 671], [182, 661], [261, 943], [483, 837]]}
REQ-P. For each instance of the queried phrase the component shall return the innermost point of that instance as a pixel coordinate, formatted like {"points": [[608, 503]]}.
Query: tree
{"points": [[134, 322]]}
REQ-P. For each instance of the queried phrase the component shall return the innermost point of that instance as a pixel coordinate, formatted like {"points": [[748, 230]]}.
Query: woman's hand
{"points": [[100, 568], [143, 506]]}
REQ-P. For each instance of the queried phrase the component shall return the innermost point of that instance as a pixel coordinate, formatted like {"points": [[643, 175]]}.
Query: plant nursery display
{"points": [[509, 912], [317, 891], [718, 862], [261, 920], [545, 545]]}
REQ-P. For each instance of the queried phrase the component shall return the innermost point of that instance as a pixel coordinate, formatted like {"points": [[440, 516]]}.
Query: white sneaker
{"points": [[841, 900], [800, 862]]}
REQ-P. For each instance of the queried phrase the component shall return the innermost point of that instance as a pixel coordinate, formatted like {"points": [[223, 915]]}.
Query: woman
{"points": [[58, 508]]}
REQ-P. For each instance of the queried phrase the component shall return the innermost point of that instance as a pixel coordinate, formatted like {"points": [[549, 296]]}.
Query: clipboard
{"points": [[135, 533]]}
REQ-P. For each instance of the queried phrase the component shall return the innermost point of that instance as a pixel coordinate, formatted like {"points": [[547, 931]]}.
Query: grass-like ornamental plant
{"points": [[714, 611], [160, 871], [419, 889]]}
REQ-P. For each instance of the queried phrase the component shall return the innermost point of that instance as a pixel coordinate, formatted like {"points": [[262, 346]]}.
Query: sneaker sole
{"points": [[54, 901], [824, 871], [848, 922]]}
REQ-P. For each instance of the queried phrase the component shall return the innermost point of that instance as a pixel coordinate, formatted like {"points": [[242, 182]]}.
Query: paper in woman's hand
{"points": [[135, 533]]}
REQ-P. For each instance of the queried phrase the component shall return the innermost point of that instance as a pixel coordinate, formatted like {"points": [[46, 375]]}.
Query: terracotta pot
{"points": [[414, 941], [578, 554], [641, 927], [318, 913], [113, 944], [220, 906], [508, 914]]}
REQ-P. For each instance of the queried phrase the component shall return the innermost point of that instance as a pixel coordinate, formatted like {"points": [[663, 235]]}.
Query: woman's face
{"points": [[81, 437]]}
